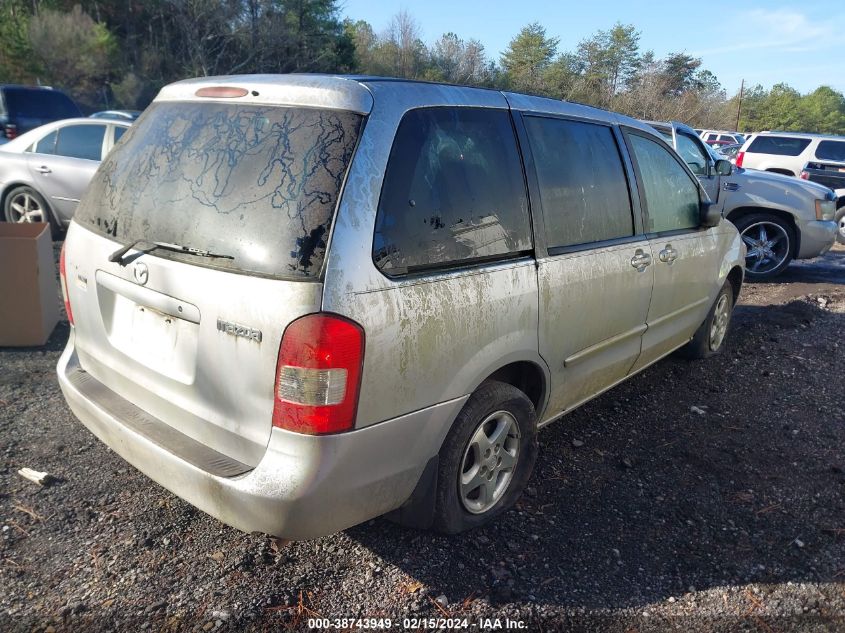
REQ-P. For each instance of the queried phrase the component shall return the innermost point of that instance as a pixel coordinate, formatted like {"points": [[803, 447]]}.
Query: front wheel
{"points": [[709, 338], [769, 242], [840, 220], [486, 459]]}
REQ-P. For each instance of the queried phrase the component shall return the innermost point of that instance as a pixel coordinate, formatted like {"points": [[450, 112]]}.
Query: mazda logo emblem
{"points": [[141, 273]]}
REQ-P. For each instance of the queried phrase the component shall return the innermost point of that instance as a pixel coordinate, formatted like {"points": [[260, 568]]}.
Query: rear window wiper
{"points": [[119, 254]]}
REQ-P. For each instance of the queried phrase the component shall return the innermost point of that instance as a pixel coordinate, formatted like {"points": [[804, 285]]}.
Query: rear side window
{"points": [[257, 183], [40, 103], [118, 132], [779, 145], [671, 195], [47, 145], [831, 150], [582, 181], [81, 141], [453, 192]]}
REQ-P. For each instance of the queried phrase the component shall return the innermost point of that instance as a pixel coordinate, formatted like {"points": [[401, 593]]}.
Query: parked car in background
{"points": [[44, 172], [830, 173], [119, 115], [728, 152], [780, 218], [23, 108], [298, 322], [788, 152], [718, 137]]}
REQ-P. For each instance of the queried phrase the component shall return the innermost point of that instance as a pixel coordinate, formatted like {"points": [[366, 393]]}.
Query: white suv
{"points": [[787, 152], [718, 138]]}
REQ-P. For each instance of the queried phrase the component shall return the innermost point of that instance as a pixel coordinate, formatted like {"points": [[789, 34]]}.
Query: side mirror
{"points": [[710, 214], [724, 167]]}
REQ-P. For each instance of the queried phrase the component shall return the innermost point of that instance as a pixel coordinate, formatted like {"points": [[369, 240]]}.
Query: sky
{"points": [[763, 42]]}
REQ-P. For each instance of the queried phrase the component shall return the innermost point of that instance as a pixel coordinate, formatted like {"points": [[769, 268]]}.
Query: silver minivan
{"points": [[300, 302]]}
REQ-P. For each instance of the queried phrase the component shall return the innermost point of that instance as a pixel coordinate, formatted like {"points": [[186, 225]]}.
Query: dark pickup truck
{"points": [[830, 173]]}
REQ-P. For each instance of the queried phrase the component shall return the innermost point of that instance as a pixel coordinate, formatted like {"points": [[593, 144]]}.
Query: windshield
{"points": [[259, 183]]}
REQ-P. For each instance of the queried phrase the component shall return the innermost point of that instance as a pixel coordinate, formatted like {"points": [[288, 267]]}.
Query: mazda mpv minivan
{"points": [[300, 302]]}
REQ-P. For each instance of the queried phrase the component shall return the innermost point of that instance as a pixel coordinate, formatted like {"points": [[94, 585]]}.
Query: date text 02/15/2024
{"points": [[410, 624]]}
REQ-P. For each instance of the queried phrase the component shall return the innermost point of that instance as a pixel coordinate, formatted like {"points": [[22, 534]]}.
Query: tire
{"points": [[770, 241], [24, 204], [495, 406], [709, 338], [840, 220]]}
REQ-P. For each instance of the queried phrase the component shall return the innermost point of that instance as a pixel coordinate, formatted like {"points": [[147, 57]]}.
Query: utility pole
{"points": [[739, 107]]}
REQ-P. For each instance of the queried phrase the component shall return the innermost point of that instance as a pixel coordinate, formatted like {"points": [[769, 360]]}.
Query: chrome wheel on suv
{"points": [[768, 242], [840, 236], [489, 462], [768, 247]]}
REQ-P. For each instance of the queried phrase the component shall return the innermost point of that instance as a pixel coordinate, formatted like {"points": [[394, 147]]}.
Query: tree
{"points": [[75, 52], [17, 62], [455, 61], [609, 60], [527, 59]]}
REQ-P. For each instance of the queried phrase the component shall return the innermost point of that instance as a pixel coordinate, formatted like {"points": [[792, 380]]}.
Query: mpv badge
{"points": [[239, 330], [141, 273]]}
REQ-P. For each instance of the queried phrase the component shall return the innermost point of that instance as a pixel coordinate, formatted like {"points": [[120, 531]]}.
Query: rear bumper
{"points": [[304, 486], [816, 238]]}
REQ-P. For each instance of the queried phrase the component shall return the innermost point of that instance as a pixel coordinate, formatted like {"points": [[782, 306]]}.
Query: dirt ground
{"points": [[704, 496]]}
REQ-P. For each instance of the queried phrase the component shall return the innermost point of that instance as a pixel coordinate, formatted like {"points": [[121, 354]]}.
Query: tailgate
{"points": [[192, 346]]}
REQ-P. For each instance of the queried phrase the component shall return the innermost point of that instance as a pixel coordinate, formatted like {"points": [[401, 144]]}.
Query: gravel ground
{"points": [[702, 496]]}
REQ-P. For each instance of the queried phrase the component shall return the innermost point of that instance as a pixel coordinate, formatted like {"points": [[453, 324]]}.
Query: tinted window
{"points": [[453, 191], [831, 150], [712, 137], [81, 141], [692, 153], [780, 145], [39, 103], [259, 183], [118, 132], [47, 145], [671, 195], [583, 186]]}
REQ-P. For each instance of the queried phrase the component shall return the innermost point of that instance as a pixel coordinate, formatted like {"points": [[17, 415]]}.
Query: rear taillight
{"points": [[10, 130], [318, 375], [63, 277], [804, 175], [739, 158]]}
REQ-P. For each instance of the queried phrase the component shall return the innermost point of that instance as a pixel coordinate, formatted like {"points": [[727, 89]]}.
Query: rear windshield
{"points": [[780, 145], [257, 183], [39, 103], [831, 150]]}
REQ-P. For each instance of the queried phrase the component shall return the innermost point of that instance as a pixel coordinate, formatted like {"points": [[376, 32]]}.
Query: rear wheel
{"points": [[770, 243], [486, 459], [840, 220]]}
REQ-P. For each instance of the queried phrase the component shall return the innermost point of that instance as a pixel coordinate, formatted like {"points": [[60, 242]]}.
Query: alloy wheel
{"points": [[719, 325], [767, 247], [23, 207], [489, 462]]}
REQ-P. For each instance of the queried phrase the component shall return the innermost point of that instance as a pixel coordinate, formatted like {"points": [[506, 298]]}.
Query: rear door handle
{"points": [[668, 254], [43, 169], [640, 260]]}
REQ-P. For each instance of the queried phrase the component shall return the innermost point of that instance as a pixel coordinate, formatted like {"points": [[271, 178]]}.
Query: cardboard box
{"points": [[29, 290]]}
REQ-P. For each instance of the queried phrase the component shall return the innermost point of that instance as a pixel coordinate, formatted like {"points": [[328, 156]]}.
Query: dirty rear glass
{"points": [[258, 183]]}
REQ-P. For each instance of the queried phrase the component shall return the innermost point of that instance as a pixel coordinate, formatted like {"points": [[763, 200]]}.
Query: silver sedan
{"points": [[44, 172]]}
